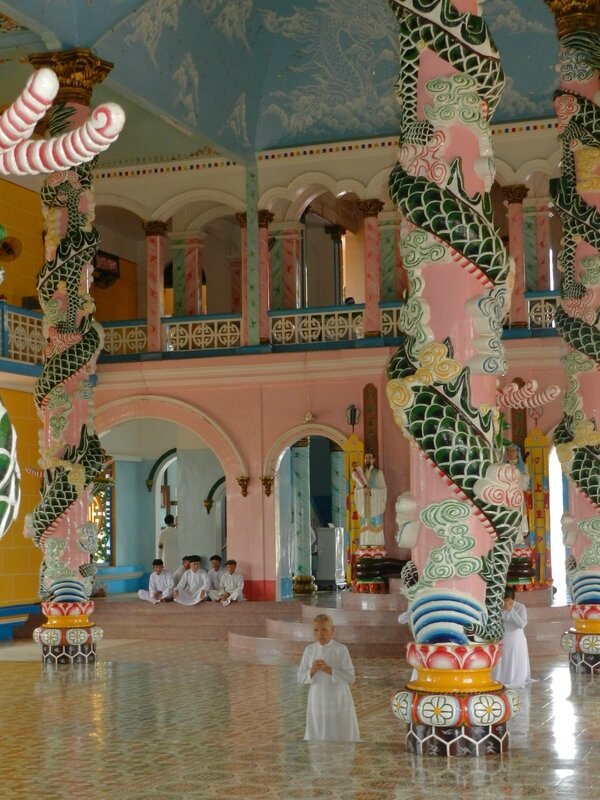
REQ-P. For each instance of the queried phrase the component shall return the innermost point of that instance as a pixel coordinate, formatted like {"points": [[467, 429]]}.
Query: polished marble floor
{"points": [[187, 721]]}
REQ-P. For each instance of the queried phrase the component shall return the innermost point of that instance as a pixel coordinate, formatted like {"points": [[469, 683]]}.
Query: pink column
{"points": [[155, 258], [235, 277], [264, 218], [515, 195], [291, 264], [401, 276], [372, 257], [241, 218], [542, 235], [576, 197], [193, 275]]}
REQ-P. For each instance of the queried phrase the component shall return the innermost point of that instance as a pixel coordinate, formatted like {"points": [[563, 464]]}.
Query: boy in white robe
{"points": [[215, 573], [160, 586], [193, 587], [513, 668], [231, 587], [326, 665], [178, 574], [168, 543]]}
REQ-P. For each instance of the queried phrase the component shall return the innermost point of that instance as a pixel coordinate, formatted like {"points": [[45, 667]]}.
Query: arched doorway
{"points": [[161, 468], [310, 507]]}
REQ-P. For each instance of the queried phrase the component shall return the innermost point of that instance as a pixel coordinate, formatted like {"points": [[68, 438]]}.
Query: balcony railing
{"points": [[125, 338], [541, 308], [22, 335], [214, 332], [23, 339], [311, 326]]}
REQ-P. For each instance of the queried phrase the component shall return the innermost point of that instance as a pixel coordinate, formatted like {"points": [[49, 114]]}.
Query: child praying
{"points": [[326, 665]]}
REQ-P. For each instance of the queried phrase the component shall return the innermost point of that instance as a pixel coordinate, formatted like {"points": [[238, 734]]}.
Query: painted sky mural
{"points": [[260, 74]]}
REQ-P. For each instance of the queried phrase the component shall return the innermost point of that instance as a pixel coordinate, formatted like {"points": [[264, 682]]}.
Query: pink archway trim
{"points": [[190, 417], [299, 432]]}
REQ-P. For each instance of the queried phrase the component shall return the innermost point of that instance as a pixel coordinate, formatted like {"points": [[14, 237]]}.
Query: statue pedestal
{"points": [[454, 707], [68, 637], [582, 642], [369, 570]]}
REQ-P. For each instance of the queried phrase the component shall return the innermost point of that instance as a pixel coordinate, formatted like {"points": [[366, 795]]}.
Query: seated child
{"points": [[231, 587], [215, 573], [193, 587], [178, 574], [327, 666], [513, 668], [160, 587]]}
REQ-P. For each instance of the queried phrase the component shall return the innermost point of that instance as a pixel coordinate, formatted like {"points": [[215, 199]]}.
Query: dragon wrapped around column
{"points": [[70, 452], [576, 196], [442, 382], [21, 156]]}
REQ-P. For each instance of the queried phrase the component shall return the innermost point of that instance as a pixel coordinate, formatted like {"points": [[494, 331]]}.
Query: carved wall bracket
{"points": [[267, 482], [243, 481]]}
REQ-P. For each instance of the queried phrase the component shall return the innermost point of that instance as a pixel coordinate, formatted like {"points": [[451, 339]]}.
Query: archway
{"points": [[205, 456]]}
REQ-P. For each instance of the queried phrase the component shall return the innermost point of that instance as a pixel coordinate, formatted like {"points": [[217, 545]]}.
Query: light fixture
{"points": [[352, 415]]}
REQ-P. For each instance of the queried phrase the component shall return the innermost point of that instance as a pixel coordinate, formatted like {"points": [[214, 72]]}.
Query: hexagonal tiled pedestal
{"points": [[582, 642], [68, 645], [478, 740], [68, 637], [454, 707]]}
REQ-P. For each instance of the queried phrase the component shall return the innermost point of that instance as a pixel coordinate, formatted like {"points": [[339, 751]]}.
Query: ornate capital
{"points": [[515, 193], [77, 70], [155, 227], [265, 218], [208, 504], [370, 208], [243, 481], [242, 218], [572, 16], [267, 482]]}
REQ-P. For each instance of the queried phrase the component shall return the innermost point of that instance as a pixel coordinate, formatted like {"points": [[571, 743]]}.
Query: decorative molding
{"points": [[243, 481], [242, 218]]}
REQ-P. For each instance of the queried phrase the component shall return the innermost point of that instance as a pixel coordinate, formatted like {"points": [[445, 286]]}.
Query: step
{"points": [[372, 602], [343, 633], [167, 632], [263, 648], [356, 616]]}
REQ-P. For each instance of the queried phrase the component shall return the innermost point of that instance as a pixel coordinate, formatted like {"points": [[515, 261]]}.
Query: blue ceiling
{"points": [[247, 75]]}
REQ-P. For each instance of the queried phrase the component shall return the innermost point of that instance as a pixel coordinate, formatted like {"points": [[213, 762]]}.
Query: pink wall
{"points": [[241, 406]]}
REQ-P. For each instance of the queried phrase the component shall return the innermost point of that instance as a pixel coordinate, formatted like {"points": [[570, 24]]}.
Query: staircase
{"points": [[267, 630]]}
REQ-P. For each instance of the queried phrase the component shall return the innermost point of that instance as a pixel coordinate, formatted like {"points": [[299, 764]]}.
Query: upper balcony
{"points": [[332, 327]]}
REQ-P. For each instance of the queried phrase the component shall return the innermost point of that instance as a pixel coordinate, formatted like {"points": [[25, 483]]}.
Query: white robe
{"points": [[232, 584], [191, 586], [169, 552], [214, 578], [162, 583], [178, 574], [513, 667], [330, 714]]}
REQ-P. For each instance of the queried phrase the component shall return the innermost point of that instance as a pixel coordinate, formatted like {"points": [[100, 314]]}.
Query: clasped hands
{"points": [[320, 665]]}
